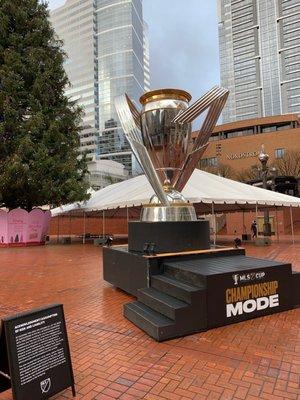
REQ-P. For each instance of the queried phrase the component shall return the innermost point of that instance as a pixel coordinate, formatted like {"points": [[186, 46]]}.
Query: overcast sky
{"points": [[183, 37]]}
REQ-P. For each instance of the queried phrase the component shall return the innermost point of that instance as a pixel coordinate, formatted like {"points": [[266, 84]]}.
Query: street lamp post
{"points": [[263, 158]]}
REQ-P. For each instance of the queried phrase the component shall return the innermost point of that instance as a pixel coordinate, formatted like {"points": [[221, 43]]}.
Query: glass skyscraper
{"points": [[106, 42], [75, 24], [260, 57]]}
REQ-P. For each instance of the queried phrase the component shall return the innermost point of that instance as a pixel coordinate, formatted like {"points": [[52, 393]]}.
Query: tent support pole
{"points": [[127, 214], [57, 240], [256, 217], [103, 223], [277, 225], [214, 223], [100, 225], [83, 237], [292, 224], [70, 225]]}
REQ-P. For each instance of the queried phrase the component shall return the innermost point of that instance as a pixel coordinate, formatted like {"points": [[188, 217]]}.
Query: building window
{"points": [[239, 132], [284, 126], [209, 162], [268, 128], [279, 153], [214, 138]]}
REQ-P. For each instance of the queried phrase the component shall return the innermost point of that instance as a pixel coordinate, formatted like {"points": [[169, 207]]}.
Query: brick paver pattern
{"points": [[113, 359]]}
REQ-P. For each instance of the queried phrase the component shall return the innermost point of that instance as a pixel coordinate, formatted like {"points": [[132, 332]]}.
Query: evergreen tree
{"points": [[39, 125]]}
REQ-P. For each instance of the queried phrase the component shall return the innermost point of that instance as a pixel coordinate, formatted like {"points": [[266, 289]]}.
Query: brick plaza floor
{"points": [[113, 359]]}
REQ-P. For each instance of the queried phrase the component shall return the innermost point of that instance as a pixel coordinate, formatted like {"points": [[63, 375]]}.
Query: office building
{"points": [[75, 24], [260, 57], [105, 172], [237, 144], [107, 47]]}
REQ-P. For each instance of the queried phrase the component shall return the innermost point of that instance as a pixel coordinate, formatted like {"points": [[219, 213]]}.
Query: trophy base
{"points": [[167, 237], [173, 213]]}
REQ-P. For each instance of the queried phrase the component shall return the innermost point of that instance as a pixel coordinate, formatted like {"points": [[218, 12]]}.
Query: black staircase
{"points": [[170, 308], [190, 294]]}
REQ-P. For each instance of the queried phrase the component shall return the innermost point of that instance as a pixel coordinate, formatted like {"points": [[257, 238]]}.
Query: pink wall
{"points": [[18, 227]]}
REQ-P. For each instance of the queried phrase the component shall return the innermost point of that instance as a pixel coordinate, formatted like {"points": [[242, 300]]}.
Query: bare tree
{"points": [[289, 165], [246, 175], [224, 170]]}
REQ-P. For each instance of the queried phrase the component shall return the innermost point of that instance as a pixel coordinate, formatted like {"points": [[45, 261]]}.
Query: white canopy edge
{"points": [[202, 188]]}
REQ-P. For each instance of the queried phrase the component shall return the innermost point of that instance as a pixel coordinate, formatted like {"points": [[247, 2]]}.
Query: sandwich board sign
{"points": [[35, 357]]}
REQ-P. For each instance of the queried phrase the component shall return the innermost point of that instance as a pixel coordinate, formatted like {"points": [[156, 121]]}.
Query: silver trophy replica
{"points": [[160, 138]]}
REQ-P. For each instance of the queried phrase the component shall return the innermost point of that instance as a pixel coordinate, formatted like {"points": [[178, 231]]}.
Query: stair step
{"points": [[184, 275], [155, 324], [161, 302], [175, 288]]}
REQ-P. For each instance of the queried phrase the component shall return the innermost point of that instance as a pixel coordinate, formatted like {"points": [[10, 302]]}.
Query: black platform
{"points": [[189, 292], [131, 271], [166, 237]]}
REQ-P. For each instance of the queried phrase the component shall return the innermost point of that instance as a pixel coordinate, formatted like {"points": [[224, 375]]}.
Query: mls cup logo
{"points": [[235, 278], [45, 385]]}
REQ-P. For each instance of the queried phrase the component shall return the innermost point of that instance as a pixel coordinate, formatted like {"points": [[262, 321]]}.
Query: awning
{"points": [[203, 189]]}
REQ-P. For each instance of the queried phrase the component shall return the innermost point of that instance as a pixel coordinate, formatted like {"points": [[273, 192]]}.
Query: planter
{"points": [[21, 228]]}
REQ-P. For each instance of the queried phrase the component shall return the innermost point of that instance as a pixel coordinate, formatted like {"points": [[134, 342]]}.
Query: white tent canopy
{"points": [[203, 189]]}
